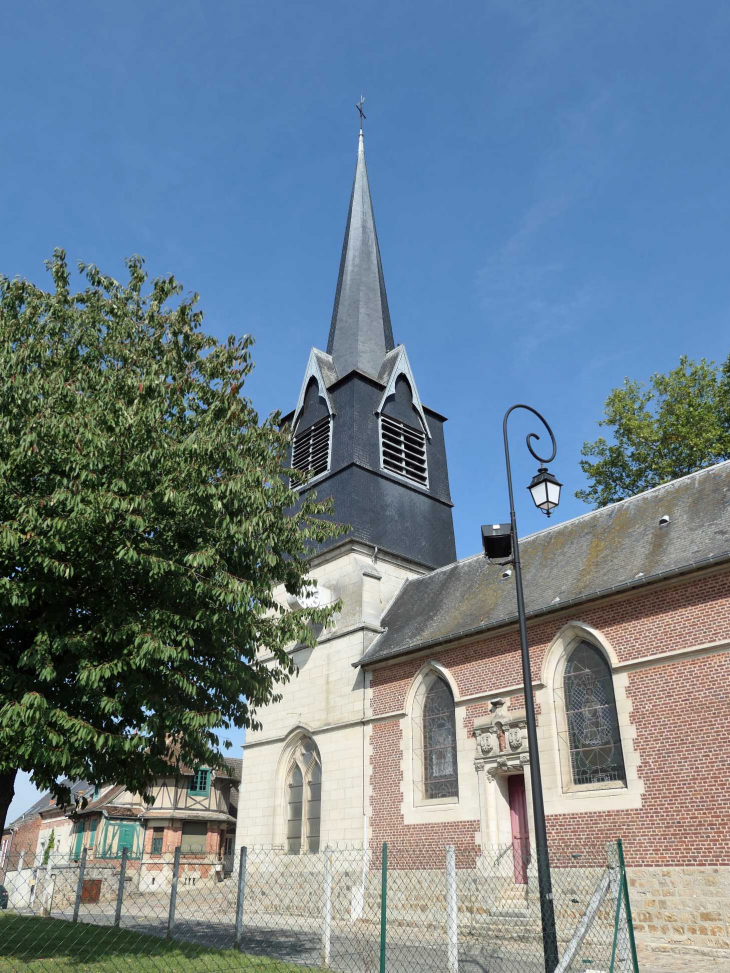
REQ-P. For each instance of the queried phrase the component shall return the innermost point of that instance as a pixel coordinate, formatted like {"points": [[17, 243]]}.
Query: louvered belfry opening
{"points": [[311, 448], [404, 449]]}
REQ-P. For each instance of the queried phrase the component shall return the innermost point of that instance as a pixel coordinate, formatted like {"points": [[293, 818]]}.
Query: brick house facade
{"points": [[28, 834]]}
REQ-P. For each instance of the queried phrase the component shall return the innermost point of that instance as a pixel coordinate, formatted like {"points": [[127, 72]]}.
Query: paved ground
{"points": [[356, 948], [651, 962]]}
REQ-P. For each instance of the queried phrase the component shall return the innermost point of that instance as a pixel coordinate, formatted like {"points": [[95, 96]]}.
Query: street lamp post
{"points": [[545, 491]]}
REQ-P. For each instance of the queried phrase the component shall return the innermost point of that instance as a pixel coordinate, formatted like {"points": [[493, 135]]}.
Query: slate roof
{"points": [[235, 765], [47, 801], [619, 547], [327, 367], [360, 333]]}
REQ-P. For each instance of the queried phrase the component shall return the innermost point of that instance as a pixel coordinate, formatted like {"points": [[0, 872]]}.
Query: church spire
{"points": [[360, 333]]}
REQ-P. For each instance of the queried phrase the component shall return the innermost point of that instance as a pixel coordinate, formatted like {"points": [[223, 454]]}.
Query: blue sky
{"points": [[549, 180]]}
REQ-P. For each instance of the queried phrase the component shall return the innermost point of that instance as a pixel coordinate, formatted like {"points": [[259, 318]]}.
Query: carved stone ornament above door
{"points": [[501, 740]]}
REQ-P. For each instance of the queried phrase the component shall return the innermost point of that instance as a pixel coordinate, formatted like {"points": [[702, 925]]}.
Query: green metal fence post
{"points": [[619, 899], [629, 918], [383, 905]]}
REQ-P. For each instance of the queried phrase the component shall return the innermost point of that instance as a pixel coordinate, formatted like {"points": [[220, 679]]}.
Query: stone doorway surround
{"points": [[501, 751]]}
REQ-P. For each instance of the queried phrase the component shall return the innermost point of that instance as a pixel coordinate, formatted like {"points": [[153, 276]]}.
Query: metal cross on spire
{"points": [[359, 108]]}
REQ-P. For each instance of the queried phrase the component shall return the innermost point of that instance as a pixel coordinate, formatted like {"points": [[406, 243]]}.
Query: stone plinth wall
{"points": [[682, 909]]}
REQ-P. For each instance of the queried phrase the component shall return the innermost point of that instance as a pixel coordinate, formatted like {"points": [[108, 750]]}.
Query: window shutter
{"points": [[311, 448], [194, 837], [403, 449]]}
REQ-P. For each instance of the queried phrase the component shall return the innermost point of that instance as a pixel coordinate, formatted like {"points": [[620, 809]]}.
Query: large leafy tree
{"points": [[144, 523], [677, 424]]}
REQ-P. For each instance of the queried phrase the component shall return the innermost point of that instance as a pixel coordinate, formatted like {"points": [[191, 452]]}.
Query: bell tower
{"points": [[359, 427], [363, 437]]}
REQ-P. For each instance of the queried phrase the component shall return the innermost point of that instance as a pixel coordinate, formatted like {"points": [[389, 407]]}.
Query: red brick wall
{"points": [[172, 837], [681, 711], [418, 845], [26, 838], [682, 717]]}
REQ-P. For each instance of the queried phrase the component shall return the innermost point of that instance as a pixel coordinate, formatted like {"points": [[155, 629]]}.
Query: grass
{"points": [[31, 944]]}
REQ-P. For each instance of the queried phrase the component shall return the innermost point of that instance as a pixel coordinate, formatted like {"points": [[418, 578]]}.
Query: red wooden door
{"points": [[520, 833]]}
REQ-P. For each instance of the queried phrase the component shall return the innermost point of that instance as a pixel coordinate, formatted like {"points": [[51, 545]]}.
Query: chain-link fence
{"points": [[405, 909]]}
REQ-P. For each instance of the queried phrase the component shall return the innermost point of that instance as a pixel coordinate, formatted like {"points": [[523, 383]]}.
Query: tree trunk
{"points": [[7, 792]]}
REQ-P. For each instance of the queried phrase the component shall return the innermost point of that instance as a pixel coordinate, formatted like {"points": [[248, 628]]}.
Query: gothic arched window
{"points": [[590, 708], [303, 799], [438, 732]]}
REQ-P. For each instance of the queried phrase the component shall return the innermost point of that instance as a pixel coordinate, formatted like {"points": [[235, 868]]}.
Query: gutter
{"points": [[548, 609]]}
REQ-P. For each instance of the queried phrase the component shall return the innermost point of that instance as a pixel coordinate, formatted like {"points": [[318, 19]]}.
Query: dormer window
{"points": [[200, 783], [403, 450], [311, 448]]}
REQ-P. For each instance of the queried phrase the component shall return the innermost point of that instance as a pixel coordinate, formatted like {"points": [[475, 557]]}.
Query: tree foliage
{"points": [[144, 522], [678, 424]]}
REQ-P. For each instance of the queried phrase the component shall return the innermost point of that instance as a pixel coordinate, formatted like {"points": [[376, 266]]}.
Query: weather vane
{"points": [[359, 108]]}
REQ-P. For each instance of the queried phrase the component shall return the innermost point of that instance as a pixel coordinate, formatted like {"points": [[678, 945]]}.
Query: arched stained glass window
{"points": [[439, 742], [295, 787], [304, 799], [590, 709], [314, 805]]}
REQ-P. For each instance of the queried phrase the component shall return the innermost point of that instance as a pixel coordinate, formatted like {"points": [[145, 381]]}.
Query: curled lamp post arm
{"points": [[543, 460]]}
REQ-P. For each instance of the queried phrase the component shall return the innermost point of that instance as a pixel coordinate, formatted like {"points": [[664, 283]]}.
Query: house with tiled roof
{"points": [[194, 810]]}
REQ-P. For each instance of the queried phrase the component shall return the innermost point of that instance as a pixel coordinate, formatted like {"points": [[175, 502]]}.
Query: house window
{"points": [[194, 835], [440, 778], [590, 707], [311, 448], [93, 824], [403, 450], [158, 835], [303, 799], [200, 782]]}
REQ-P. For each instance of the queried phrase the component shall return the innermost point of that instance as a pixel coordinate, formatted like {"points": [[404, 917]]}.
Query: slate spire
{"points": [[360, 334]]}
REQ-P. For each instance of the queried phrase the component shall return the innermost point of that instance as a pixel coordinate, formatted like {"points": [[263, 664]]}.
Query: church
{"points": [[406, 722]]}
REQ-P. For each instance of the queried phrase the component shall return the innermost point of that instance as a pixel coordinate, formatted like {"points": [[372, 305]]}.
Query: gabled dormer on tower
{"points": [[359, 426]]}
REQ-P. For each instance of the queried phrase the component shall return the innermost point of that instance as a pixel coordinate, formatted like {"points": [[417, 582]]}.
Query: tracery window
{"points": [[303, 799], [594, 738], [437, 739]]}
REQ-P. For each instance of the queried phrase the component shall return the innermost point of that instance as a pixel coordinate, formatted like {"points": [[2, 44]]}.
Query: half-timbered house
{"points": [[192, 810]]}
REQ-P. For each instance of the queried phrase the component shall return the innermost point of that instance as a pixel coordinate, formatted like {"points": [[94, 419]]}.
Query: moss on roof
{"points": [[616, 547]]}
